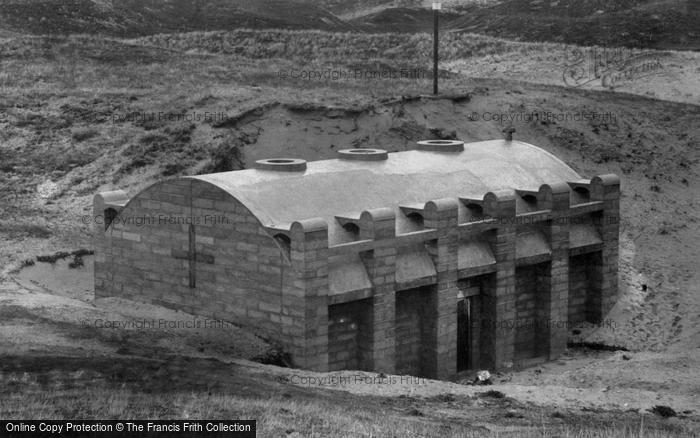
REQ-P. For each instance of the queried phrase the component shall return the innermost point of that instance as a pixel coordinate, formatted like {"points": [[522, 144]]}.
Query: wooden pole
{"points": [[436, 11]]}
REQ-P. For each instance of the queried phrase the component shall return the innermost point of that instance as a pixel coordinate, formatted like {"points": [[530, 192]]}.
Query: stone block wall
{"points": [[498, 303], [584, 288], [305, 295], [441, 358], [143, 256], [606, 189], [415, 326], [555, 277], [350, 336], [693, 7], [380, 224], [280, 286], [530, 322]]}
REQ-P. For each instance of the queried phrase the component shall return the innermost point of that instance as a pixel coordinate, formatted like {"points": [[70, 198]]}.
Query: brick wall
{"points": [[245, 276], [498, 302], [693, 7], [578, 284], [380, 263], [555, 276], [305, 295], [136, 257], [443, 215], [350, 336], [530, 334], [415, 321], [584, 287], [606, 188]]}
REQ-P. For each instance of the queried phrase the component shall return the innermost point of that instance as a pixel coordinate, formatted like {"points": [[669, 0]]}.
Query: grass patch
{"points": [[225, 157], [172, 141], [75, 263], [21, 231], [492, 394], [281, 410], [663, 411], [595, 346], [275, 356], [81, 135]]}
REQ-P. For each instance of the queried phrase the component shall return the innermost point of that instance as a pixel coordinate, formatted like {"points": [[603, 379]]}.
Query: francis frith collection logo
{"points": [[609, 67]]}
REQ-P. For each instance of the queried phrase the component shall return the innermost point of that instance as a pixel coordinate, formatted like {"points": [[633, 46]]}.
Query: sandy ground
{"points": [[652, 145], [40, 323], [572, 382], [673, 76], [42, 314]]}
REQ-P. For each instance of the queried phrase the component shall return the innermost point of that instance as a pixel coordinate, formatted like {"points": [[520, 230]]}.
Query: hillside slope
{"points": [[75, 119], [659, 24], [69, 120], [126, 18], [666, 24]]}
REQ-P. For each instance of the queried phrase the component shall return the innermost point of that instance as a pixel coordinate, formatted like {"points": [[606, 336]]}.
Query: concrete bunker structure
{"points": [[427, 262]]}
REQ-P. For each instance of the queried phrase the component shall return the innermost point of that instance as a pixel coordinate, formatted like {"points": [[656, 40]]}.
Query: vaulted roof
{"points": [[329, 188]]}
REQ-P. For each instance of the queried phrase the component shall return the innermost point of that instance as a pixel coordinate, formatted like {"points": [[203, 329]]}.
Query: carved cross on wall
{"points": [[192, 256]]}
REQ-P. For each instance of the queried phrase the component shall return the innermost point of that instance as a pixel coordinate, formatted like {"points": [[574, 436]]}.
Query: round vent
{"points": [[282, 164], [364, 154], [441, 145]]}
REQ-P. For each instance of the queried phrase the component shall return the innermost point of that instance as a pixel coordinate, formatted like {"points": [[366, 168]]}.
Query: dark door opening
{"points": [[464, 347]]}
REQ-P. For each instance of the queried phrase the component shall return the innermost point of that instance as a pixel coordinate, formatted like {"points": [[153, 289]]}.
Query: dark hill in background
{"points": [[659, 24], [408, 20], [128, 18], [354, 7]]}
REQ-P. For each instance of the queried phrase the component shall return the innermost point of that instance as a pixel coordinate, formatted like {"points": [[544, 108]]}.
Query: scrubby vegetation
{"points": [[632, 23], [319, 46], [141, 17], [77, 256], [136, 388], [173, 143], [662, 24], [63, 118]]}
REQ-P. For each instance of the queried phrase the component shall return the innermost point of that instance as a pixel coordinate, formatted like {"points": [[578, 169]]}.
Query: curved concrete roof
{"points": [[331, 187]]}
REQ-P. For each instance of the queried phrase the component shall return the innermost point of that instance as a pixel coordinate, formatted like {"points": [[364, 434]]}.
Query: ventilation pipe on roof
{"points": [[363, 154], [282, 164], [441, 145], [508, 133]]}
